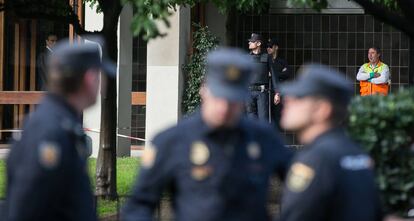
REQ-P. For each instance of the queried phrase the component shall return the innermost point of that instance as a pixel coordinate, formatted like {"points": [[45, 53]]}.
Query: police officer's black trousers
{"points": [[257, 106]]}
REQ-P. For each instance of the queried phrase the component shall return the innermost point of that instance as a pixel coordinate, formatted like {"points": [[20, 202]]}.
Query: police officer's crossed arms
{"points": [[278, 67], [331, 179], [216, 163], [47, 168]]}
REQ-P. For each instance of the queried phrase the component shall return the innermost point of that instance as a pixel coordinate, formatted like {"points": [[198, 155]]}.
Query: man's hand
{"points": [[276, 99], [376, 75]]}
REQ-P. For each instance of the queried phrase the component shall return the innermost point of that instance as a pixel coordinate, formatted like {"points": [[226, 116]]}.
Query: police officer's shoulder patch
{"points": [[299, 177], [148, 157], [49, 155]]}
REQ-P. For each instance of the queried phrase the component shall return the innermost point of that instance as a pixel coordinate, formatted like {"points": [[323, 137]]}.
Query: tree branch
{"points": [[387, 16]]}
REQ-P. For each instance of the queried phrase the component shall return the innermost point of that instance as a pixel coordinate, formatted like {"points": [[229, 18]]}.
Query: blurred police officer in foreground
{"points": [[216, 163], [331, 178], [257, 106], [47, 168]]}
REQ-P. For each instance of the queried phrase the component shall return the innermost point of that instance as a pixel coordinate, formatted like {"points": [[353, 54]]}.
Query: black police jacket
{"points": [[47, 168], [279, 70], [212, 174], [261, 76], [331, 180]]}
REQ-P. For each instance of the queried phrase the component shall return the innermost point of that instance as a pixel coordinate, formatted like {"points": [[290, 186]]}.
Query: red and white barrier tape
{"points": [[85, 129]]}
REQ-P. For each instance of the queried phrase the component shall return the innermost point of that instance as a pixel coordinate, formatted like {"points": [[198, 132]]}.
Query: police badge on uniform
{"points": [[232, 73], [49, 155], [199, 155], [254, 151]]}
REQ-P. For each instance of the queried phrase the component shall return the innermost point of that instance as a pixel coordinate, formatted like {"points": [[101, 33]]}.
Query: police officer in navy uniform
{"points": [[216, 163], [257, 106], [280, 72], [47, 168], [331, 179]]}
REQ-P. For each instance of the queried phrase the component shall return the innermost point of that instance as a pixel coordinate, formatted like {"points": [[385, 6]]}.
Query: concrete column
{"points": [[165, 57], [124, 80], [92, 116]]}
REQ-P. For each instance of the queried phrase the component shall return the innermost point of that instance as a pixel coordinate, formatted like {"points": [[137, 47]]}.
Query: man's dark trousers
{"points": [[258, 105]]}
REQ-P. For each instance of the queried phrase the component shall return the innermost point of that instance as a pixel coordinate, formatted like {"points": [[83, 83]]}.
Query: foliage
{"points": [[204, 41], [384, 125]]}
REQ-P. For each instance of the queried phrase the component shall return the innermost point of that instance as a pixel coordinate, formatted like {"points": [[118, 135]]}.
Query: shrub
{"points": [[203, 42], [384, 126]]}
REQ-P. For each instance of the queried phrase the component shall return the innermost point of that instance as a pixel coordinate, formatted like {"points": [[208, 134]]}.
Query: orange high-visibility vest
{"points": [[368, 88]]}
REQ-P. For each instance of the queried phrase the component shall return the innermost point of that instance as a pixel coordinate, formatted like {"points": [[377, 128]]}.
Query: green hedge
{"points": [[203, 42], [384, 126]]}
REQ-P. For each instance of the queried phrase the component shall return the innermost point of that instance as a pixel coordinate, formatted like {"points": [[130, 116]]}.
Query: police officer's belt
{"points": [[261, 88]]}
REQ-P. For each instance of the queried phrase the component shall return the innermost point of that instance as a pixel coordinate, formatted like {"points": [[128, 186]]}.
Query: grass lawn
{"points": [[2, 178], [127, 170]]}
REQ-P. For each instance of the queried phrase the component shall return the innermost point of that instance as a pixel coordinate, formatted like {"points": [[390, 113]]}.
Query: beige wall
{"points": [[92, 116], [165, 57]]}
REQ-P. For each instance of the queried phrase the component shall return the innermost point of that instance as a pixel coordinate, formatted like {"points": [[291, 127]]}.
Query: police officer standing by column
{"points": [[217, 163], [47, 168], [257, 106], [331, 179]]}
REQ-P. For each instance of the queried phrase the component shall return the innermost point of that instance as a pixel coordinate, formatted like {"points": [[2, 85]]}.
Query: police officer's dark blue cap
{"points": [[255, 37], [228, 73], [77, 56], [272, 42], [320, 81]]}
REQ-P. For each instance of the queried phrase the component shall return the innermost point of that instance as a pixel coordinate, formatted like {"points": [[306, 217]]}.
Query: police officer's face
{"points": [[373, 55], [271, 50], [92, 81], [254, 44], [219, 112], [297, 113]]}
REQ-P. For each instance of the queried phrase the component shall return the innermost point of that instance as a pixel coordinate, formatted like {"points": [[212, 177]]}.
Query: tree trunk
{"points": [[106, 162]]}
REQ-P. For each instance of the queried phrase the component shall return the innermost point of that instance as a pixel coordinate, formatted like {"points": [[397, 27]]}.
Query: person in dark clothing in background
{"points": [[41, 79], [280, 72]]}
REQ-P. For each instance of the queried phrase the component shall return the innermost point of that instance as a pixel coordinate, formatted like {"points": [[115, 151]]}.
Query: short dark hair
{"points": [[65, 80], [50, 34], [339, 113], [377, 49]]}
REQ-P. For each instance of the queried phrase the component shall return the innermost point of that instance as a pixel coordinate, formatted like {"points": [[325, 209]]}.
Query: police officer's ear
{"points": [[259, 43], [323, 110], [91, 78]]}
